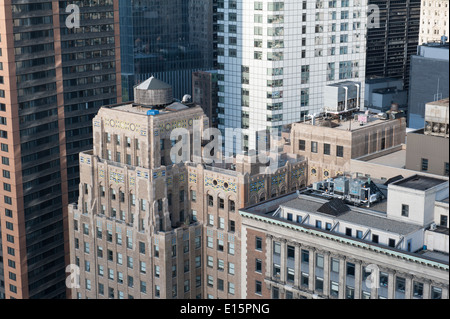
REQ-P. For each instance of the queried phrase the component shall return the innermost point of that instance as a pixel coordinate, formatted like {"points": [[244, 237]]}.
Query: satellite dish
{"points": [[186, 98]]}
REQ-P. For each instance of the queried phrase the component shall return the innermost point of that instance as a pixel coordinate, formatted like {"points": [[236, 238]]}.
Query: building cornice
{"points": [[347, 241]]}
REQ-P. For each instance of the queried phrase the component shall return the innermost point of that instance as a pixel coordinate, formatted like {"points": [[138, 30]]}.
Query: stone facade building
{"points": [[303, 245], [145, 227], [330, 144]]}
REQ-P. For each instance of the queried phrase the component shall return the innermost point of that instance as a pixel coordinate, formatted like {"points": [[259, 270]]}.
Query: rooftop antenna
{"points": [[438, 96]]}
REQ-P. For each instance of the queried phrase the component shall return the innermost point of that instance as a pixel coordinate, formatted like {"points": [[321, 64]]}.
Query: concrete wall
{"points": [[425, 75], [433, 148]]}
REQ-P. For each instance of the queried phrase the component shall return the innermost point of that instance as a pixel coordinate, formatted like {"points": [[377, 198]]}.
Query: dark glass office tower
{"points": [[389, 47], [167, 39], [53, 80]]}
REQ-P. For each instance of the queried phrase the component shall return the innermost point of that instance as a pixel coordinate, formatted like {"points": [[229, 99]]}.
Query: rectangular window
{"points": [[405, 210], [339, 151], [258, 287], [424, 164], [319, 261], [302, 145], [400, 284], [326, 149], [258, 243], [314, 147], [350, 269], [418, 289], [305, 256], [319, 283]]}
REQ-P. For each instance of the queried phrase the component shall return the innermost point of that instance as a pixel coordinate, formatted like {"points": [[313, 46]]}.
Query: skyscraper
{"points": [[165, 39], [391, 43], [55, 74], [275, 58]]}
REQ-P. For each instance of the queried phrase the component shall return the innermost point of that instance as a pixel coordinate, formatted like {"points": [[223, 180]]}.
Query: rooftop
{"points": [[419, 182], [351, 124], [143, 110], [373, 217], [443, 102], [267, 212], [153, 84], [394, 159], [381, 80]]}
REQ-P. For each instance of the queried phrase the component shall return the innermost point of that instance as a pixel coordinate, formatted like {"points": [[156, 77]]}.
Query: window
{"points": [[384, 278], [258, 265], [314, 147], [418, 289], [349, 292], [276, 248], [220, 245], [350, 269], [391, 242], [231, 205], [305, 256], [232, 226], [290, 252], [400, 284], [318, 224], [334, 289], [210, 220], [348, 232], [405, 210], [258, 287], [444, 220], [335, 265], [319, 283], [258, 243], [319, 261], [436, 293], [210, 201], [305, 279], [375, 239], [301, 145], [231, 288], [424, 164], [446, 169], [276, 270], [290, 274], [326, 149], [339, 151]]}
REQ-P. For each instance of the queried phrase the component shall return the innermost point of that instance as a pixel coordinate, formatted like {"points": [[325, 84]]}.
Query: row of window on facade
{"points": [[350, 271]]}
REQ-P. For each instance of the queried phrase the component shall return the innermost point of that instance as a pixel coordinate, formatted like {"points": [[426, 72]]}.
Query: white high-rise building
{"points": [[434, 22], [276, 57]]}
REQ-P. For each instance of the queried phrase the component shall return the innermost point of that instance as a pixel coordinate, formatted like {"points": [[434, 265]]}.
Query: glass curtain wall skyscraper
{"points": [[167, 39], [54, 77], [391, 45]]}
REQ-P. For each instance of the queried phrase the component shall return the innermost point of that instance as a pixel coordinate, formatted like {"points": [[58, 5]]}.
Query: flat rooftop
{"points": [[355, 215], [419, 182], [348, 125], [142, 110], [443, 102], [381, 80], [395, 159]]}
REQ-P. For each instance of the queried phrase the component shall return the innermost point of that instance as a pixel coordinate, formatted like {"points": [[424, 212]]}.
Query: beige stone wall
{"points": [[343, 252], [356, 142]]}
